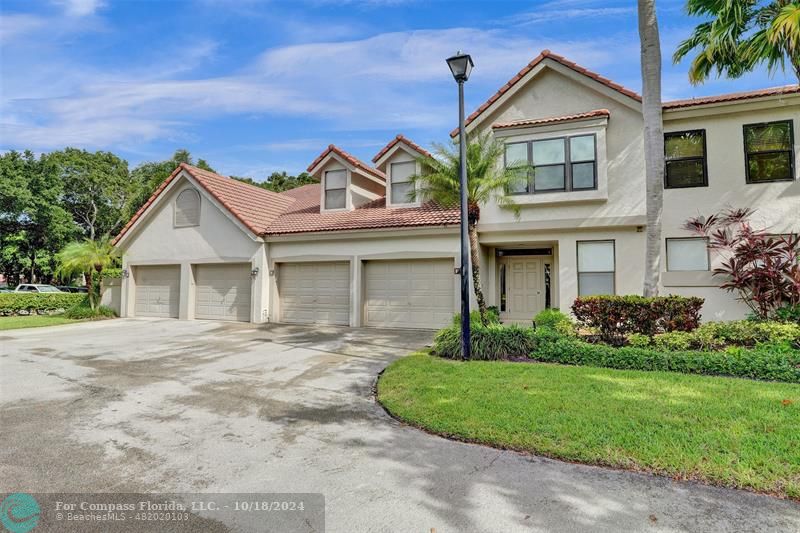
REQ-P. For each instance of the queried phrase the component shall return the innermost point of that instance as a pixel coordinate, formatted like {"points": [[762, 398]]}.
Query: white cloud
{"points": [[561, 14], [13, 25], [392, 81], [80, 8]]}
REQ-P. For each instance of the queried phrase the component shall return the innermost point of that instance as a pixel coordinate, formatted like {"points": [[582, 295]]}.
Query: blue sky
{"points": [[255, 86]]}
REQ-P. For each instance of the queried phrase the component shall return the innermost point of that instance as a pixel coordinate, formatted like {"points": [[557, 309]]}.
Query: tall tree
{"points": [[741, 35], [653, 141], [97, 187], [487, 180], [280, 181], [33, 223], [146, 177]]}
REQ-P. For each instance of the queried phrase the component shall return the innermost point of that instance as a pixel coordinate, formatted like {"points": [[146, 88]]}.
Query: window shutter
{"points": [[187, 208]]}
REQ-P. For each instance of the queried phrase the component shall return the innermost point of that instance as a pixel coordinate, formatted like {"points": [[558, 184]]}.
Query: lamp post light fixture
{"points": [[461, 67]]}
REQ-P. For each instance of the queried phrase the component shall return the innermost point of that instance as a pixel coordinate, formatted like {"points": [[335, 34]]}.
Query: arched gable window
{"points": [[187, 208]]}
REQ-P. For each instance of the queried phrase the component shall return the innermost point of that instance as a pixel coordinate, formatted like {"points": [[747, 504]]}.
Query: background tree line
{"points": [[50, 200]]}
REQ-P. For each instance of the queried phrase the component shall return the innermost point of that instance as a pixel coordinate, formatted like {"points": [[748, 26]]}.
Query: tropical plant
{"points": [[653, 141], [88, 257], [741, 35], [763, 269], [487, 180]]}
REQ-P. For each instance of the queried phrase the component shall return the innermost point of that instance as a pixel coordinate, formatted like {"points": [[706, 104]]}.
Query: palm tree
{"points": [[87, 257], [653, 141], [487, 180], [741, 35]]}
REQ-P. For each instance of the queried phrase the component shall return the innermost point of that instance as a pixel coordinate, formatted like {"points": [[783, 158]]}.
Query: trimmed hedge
{"points": [[488, 343], [718, 335], [616, 317], [777, 362], [37, 303]]}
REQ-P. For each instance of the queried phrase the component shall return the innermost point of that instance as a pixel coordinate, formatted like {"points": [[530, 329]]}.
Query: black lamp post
{"points": [[461, 66]]}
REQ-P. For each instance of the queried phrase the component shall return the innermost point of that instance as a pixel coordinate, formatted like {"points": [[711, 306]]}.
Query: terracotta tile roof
{"points": [[356, 162], [305, 216], [401, 139], [253, 206], [732, 97], [552, 120], [546, 54]]}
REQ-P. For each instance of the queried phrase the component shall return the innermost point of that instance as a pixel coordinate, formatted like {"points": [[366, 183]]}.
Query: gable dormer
{"points": [[399, 160], [346, 182]]}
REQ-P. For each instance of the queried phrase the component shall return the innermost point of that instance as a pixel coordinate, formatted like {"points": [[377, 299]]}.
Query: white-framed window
{"points": [[335, 189], [558, 164], [687, 254], [400, 176], [596, 267], [187, 208]]}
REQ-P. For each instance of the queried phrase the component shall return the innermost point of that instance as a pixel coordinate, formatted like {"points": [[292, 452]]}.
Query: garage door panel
{"points": [[409, 294], [314, 293], [223, 292], [157, 291]]}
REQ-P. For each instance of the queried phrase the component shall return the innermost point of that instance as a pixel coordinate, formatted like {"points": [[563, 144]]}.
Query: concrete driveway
{"points": [[143, 405]]}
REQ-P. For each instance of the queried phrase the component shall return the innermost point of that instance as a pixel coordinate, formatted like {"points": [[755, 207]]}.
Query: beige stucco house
{"points": [[351, 250]]}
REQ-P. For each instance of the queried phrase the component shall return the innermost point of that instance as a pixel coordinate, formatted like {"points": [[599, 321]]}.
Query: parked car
{"points": [[65, 288], [36, 287], [4, 289]]}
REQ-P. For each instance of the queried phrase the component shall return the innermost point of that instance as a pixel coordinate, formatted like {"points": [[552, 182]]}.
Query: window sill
{"points": [[561, 197]]}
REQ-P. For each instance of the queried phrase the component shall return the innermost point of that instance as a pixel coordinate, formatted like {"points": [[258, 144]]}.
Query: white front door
{"points": [[525, 287]]}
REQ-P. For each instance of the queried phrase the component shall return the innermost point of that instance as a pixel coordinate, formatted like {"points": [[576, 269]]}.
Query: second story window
{"points": [[401, 181], [685, 159], [768, 152], [560, 164], [335, 189]]}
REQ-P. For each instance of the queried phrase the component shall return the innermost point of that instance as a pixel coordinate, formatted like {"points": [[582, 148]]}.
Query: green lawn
{"points": [[35, 321], [724, 431]]}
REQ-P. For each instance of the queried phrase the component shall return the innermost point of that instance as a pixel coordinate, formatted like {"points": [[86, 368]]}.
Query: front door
{"points": [[525, 287]]}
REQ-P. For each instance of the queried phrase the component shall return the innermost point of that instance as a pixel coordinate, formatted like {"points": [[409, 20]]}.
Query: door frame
{"points": [[505, 261]]}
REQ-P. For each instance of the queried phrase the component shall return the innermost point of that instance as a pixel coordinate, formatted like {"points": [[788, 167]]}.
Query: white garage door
{"points": [[315, 293], [223, 292], [157, 290], [409, 294]]}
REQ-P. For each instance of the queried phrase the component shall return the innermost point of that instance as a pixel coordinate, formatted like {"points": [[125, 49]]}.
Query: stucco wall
{"points": [[554, 94], [216, 239], [777, 204]]}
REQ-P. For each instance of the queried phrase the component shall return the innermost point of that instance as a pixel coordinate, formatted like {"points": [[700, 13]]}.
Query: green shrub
{"points": [[37, 303], [83, 311], [778, 362], [788, 313], [718, 335], [673, 341], [492, 315], [555, 320], [616, 317], [489, 343], [112, 273], [639, 341]]}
